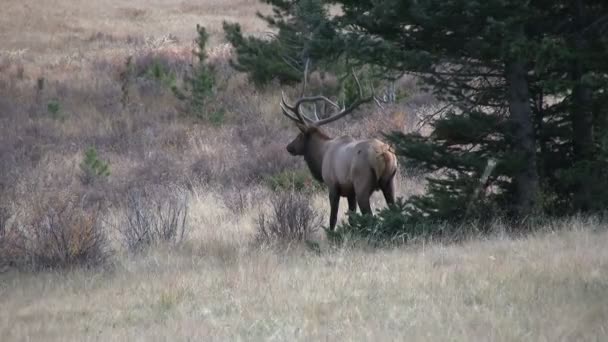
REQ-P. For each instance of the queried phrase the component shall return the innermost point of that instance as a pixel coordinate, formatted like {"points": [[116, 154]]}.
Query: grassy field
{"points": [[550, 287], [61, 63]]}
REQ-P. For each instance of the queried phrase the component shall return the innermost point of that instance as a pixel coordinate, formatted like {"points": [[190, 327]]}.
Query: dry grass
{"points": [[547, 287], [55, 32], [217, 285]]}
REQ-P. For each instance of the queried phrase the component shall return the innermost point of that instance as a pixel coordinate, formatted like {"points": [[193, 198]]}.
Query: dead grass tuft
{"points": [[292, 218], [153, 217], [58, 234]]}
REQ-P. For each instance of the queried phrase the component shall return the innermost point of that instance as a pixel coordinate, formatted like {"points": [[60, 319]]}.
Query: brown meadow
{"points": [[62, 92]]}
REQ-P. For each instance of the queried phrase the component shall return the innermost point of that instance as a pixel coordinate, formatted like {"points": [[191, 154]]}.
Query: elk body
{"points": [[349, 167]]}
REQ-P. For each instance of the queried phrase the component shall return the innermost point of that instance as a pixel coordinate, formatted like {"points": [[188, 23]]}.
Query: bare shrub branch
{"points": [[238, 200], [292, 218], [4, 243], [153, 218], [60, 234]]}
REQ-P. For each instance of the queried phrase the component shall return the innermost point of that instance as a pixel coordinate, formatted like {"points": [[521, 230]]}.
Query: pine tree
{"points": [[302, 33], [586, 60], [198, 88], [475, 60], [495, 63], [524, 81], [570, 70]]}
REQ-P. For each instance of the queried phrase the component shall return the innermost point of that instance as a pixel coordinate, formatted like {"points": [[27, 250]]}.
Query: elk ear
{"points": [[303, 128]]}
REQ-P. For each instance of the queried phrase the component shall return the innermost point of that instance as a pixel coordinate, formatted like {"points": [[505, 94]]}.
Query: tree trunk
{"points": [[524, 144], [581, 114], [582, 142]]}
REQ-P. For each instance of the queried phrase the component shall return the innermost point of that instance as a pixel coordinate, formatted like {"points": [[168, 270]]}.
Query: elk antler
{"points": [[288, 110], [294, 111]]}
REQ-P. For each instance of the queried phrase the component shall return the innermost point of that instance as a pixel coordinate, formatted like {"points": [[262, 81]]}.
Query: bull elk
{"points": [[349, 167]]}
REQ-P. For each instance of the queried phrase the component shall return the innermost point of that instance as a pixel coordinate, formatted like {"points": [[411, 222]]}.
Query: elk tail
{"points": [[383, 162]]}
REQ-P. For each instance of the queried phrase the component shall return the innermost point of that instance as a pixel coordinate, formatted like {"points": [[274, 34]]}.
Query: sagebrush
{"points": [[292, 218], [151, 218], [60, 234]]}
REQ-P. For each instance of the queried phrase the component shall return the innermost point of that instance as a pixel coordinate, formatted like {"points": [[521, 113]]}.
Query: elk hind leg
{"points": [[363, 201], [363, 192], [334, 204], [388, 190]]}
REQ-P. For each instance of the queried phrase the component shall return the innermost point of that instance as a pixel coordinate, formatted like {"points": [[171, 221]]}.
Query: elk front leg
{"points": [[334, 203]]}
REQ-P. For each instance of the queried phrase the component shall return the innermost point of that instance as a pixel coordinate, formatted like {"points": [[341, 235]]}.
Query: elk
{"points": [[349, 167]]}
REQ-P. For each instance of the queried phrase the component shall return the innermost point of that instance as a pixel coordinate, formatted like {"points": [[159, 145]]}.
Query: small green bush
{"points": [[54, 108], [93, 168], [298, 180], [389, 226], [217, 117], [198, 89], [161, 74]]}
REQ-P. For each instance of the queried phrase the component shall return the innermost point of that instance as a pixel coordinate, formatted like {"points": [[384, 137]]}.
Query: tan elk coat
{"points": [[350, 168]]}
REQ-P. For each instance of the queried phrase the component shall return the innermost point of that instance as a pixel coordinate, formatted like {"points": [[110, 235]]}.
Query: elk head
{"points": [[309, 125], [298, 146]]}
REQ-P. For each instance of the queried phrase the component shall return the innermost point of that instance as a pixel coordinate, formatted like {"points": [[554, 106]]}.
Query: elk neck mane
{"points": [[315, 152]]}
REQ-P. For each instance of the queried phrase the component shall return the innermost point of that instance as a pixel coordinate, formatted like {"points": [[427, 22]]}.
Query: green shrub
{"points": [[217, 117], [54, 108], [93, 168], [198, 88], [298, 180], [161, 74], [389, 226]]}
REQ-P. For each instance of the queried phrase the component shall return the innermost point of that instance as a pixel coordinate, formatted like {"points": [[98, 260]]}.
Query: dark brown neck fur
{"points": [[315, 151]]}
